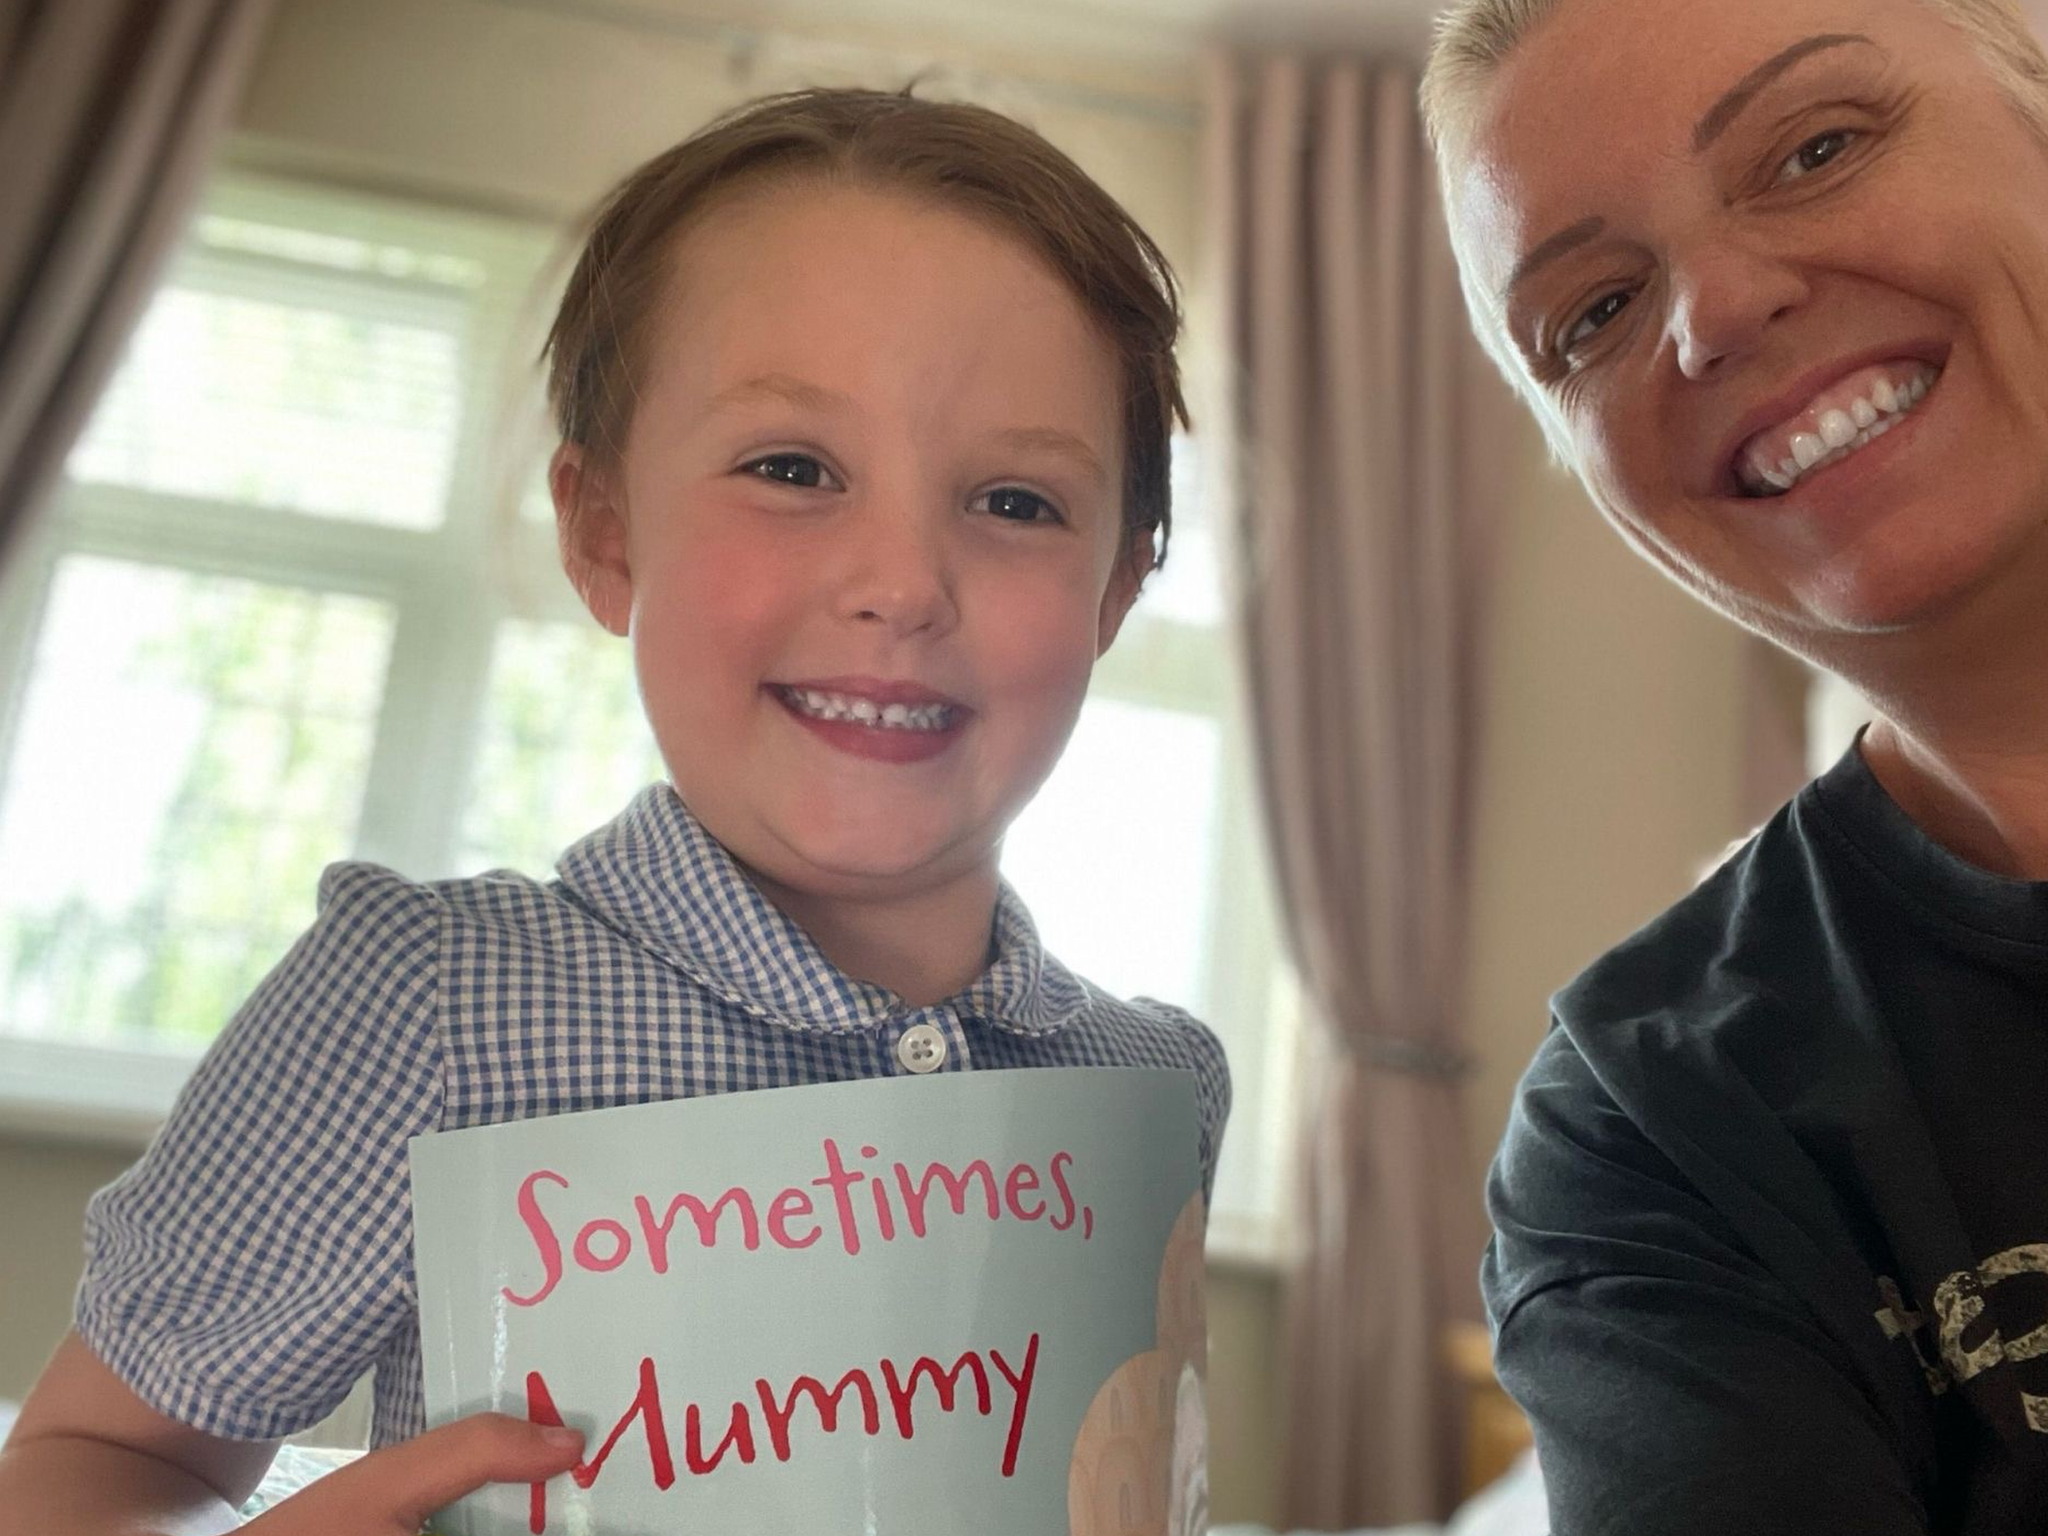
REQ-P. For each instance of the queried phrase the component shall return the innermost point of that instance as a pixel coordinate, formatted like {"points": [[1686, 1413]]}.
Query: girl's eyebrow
{"points": [[1739, 95], [1055, 440], [782, 387]]}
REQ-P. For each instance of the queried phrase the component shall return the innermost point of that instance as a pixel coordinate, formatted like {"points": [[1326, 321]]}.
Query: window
{"points": [[296, 605]]}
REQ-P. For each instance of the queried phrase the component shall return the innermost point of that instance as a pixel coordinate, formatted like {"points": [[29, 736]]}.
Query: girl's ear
{"points": [[591, 527], [1133, 565]]}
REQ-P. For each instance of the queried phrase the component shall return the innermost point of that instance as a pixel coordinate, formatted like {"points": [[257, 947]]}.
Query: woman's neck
{"points": [[1961, 742], [925, 946], [1984, 802]]}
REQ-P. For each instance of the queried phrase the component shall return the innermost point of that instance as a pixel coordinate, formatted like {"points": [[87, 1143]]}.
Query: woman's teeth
{"points": [[1833, 434], [885, 717]]}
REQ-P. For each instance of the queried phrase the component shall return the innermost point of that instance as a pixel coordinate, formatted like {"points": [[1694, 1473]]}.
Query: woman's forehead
{"points": [[1602, 97]]}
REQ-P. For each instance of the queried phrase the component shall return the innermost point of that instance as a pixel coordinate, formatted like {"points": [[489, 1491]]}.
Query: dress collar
{"points": [[656, 875]]}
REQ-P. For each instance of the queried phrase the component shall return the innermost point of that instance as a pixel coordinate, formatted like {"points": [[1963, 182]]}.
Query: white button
{"points": [[921, 1048]]}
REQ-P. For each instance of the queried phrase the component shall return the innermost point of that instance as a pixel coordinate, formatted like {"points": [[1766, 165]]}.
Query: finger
{"points": [[402, 1484]]}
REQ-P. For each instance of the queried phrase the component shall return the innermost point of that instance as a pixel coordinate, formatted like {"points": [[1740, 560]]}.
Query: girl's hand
{"points": [[392, 1492]]}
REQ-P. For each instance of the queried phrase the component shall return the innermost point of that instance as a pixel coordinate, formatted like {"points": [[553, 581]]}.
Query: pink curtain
{"points": [[1365, 419], [109, 114]]}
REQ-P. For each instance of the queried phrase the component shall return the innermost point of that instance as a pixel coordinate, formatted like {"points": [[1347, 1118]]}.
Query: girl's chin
{"points": [[870, 856]]}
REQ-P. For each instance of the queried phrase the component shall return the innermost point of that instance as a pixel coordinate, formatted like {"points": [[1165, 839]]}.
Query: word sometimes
{"points": [[793, 1218], [777, 1412]]}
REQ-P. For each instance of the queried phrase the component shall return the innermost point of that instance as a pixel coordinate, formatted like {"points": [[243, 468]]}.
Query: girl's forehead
{"points": [[873, 295], [807, 238]]}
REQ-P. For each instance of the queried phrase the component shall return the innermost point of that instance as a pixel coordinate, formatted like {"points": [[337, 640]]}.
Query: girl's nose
{"points": [[1724, 299], [898, 577]]}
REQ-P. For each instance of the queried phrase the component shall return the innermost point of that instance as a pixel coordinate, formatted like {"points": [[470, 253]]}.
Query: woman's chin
{"points": [[1912, 580]]}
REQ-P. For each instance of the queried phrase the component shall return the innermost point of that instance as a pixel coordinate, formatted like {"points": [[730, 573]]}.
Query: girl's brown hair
{"points": [[958, 157]]}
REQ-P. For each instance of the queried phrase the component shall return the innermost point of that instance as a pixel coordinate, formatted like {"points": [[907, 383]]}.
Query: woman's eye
{"points": [[798, 469], [1815, 153], [1016, 505], [1603, 310]]}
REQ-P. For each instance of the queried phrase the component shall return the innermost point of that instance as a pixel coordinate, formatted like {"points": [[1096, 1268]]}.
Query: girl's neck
{"points": [[925, 947]]}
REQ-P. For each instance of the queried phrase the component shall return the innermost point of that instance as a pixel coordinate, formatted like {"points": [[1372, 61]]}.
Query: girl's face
{"points": [[866, 534], [1780, 267]]}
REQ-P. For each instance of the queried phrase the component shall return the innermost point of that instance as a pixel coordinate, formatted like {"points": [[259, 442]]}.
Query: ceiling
{"points": [[1147, 45]]}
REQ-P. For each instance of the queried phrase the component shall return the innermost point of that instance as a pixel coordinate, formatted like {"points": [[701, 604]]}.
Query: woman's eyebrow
{"points": [[1568, 239], [1711, 127], [1739, 95]]}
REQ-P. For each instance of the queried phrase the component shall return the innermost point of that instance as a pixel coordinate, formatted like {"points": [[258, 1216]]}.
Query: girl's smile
{"points": [[887, 722]]}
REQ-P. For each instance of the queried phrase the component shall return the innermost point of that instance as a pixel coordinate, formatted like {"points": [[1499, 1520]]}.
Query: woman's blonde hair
{"points": [[1474, 38]]}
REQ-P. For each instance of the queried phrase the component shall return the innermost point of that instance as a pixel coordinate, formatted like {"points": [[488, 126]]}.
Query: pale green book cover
{"points": [[896, 1307]]}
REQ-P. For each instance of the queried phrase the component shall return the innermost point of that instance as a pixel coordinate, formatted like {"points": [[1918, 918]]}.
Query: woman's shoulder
{"points": [[1749, 939]]}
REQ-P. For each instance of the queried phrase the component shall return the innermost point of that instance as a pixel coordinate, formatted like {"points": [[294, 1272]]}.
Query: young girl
{"points": [[865, 405]]}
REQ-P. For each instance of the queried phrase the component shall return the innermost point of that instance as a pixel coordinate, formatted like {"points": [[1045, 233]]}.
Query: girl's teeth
{"points": [[1863, 413], [895, 717], [1807, 449], [1885, 397]]}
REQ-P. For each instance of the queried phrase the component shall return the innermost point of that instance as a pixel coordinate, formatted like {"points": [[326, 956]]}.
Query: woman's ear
{"points": [[590, 524], [1133, 564]]}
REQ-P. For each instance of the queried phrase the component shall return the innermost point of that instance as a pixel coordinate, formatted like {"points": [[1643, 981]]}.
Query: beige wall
{"points": [[1613, 706], [1612, 766], [540, 113], [43, 1189]]}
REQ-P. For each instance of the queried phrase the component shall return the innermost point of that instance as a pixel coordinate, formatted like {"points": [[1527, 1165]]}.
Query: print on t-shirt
{"points": [[1949, 1350]]}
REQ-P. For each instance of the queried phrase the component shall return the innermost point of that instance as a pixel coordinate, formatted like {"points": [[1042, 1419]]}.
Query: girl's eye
{"points": [[1815, 153], [1015, 505], [1604, 309], [798, 469]]}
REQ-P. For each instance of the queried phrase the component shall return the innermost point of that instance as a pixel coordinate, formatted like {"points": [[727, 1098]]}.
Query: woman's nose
{"points": [[1724, 299], [898, 575]]}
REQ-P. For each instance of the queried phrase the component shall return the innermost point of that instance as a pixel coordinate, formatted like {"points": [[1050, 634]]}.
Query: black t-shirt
{"points": [[1771, 1248]]}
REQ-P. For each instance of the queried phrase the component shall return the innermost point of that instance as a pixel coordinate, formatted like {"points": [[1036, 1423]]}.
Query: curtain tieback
{"points": [[1414, 1058]]}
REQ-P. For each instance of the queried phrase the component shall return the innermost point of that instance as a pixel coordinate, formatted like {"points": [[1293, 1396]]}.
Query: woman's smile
{"points": [[1833, 425]]}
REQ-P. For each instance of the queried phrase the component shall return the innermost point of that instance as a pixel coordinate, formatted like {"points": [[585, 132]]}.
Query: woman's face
{"points": [[1780, 268]]}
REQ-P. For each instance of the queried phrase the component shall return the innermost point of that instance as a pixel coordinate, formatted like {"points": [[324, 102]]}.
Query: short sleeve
{"points": [[252, 1265], [1673, 1383], [1212, 1099]]}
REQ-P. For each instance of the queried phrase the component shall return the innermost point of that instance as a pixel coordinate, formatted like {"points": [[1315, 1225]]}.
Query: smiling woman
{"points": [[1774, 274]]}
